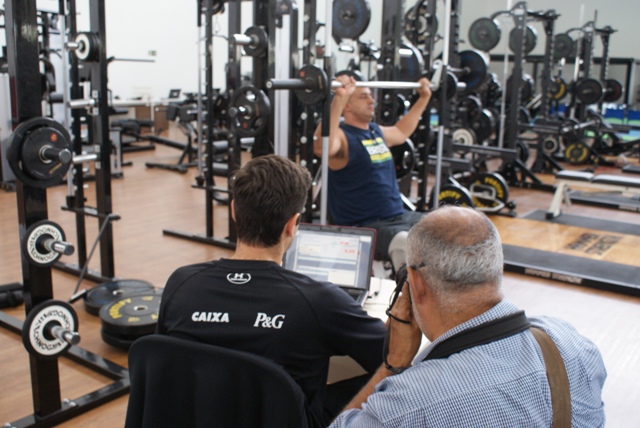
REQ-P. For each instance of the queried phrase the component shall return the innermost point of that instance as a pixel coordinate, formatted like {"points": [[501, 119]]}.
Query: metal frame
{"points": [[32, 207]]}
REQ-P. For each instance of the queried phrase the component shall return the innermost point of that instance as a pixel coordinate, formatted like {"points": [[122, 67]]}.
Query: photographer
{"points": [[452, 293]]}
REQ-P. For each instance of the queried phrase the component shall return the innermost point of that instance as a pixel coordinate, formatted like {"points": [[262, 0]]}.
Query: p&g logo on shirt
{"points": [[238, 278]]}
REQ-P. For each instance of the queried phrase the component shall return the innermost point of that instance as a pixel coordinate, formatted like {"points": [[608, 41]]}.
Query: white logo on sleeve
{"points": [[210, 317], [265, 321], [238, 278]]}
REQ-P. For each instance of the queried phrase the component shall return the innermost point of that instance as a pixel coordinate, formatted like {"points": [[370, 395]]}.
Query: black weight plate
{"points": [[350, 19], [522, 150], [404, 158], [319, 82], [23, 142], [451, 194], [484, 34], [107, 292], [131, 316], [576, 153], [530, 40], [488, 181], [259, 44], [476, 66], [122, 342], [469, 108], [613, 91], [484, 125], [411, 67], [589, 91], [419, 25], [249, 111], [550, 145], [562, 46]]}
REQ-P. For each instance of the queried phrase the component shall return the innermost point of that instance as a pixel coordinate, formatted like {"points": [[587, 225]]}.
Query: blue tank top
{"points": [[366, 189]]}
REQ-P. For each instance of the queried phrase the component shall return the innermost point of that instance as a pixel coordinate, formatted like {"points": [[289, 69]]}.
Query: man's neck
{"points": [[356, 123], [248, 252], [441, 321]]}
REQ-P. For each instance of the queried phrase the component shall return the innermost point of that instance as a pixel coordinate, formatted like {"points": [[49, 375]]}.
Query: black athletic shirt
{"points": [[260, 307]]}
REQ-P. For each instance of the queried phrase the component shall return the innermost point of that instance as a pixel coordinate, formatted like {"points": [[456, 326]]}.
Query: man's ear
{"points": [[417, 285], [233, 210], [292, 223]]}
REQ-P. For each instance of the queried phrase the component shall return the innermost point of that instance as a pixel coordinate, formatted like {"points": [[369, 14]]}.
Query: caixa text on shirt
{"points": [[262, 320]]}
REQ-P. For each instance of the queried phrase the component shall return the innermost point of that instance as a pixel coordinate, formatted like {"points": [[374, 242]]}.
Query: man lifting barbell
{"points": [[362, 181]]}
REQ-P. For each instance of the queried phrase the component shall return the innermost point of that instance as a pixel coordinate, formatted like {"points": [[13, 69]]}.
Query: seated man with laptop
{"points": [[249, 302]]}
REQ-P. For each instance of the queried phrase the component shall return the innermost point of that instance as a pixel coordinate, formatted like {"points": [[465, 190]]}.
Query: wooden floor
{"points": [[150, 200]]}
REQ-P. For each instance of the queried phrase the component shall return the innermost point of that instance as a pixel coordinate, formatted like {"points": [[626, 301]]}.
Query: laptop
{"points": [[338, 254]]}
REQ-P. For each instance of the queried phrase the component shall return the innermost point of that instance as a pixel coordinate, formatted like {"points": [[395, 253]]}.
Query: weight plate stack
{"points": [[130, 318], [108, 292]]}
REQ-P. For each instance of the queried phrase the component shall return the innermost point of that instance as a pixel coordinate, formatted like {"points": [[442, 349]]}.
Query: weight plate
{"points": [[489, 190], [411, 66], [404, 158], [34, 239], [613, 91], [350, 19], [108, 292], [589, 91], [88, 47], [523, 115], [36, 335], [28, 148], [485, 125], [563, 46], [576, 153], [451, 194], [494, 89], [464, 136], [522, 151], [469, 108], [419, 25], [259, 42], [122, 342], [557, 88], [529, 42], [476, 66], [249, 111], [550, 145], [484, 34], [130, 316], [318, 78]]}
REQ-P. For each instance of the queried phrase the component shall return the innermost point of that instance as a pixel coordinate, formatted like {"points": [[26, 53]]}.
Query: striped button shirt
{"points": [[500, 384]]}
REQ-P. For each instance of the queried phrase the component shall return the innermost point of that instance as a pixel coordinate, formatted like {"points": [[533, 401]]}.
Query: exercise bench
{"points": [[627, 186]]}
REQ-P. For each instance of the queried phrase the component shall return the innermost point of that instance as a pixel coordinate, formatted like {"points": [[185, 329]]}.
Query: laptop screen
{"points": [[341, 255]]}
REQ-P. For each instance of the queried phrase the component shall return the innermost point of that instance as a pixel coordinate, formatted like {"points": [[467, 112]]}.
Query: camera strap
{"points": [[508, 326]]}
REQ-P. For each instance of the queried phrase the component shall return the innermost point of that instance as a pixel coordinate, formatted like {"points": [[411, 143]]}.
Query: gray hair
{"points": [[460, 250]]}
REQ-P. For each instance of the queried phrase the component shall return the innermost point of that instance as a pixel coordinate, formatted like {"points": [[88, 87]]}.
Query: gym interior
{"points": [[122, 122]]}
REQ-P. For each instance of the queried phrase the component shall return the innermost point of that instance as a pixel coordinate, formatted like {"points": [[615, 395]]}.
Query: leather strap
{"points": [[558, 379]]}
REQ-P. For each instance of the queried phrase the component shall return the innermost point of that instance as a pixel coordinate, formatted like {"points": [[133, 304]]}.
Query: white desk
{"points": [[376, 305]]}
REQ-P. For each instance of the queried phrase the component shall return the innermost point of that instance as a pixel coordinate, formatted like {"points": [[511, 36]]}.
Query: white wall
{"points": [[136, 27]]}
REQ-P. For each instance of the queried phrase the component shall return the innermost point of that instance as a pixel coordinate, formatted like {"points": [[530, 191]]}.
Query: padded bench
{"points": [[627, 186]]}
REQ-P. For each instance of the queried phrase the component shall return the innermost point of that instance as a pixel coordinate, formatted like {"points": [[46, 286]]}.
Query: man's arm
{"points": [[404, 342], [397, 134], [338, 152]]}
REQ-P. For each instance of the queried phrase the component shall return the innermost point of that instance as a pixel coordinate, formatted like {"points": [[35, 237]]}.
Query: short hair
{"points": [[267, 191], [459, 251]]}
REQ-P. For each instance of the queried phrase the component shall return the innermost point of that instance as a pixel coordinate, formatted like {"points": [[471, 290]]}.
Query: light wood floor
{"points": [[150, 200]]}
